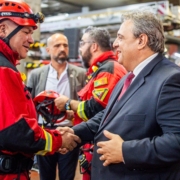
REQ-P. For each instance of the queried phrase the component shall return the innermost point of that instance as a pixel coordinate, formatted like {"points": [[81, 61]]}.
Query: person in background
{"points": [[137, 136], [21, 137], [65, 79], [103, 74]]}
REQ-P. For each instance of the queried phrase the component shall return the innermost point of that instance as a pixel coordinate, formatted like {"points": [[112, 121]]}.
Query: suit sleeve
{"points": [[87, 130], [163, 149]]}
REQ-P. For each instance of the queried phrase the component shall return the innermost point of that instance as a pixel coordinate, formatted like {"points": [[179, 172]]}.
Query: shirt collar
{"points": [[52, 70], [140, 66]]}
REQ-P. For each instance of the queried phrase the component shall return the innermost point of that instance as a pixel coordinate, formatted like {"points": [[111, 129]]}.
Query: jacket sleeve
{"points": [[103, 85], [87, 130], [18, 125]]}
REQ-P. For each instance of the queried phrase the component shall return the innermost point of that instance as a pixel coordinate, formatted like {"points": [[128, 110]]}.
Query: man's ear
{"points": [[47, 50], [142, 41], [94, 47], [2, 30]]}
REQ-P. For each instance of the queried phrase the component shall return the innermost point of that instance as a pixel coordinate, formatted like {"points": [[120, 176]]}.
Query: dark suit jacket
{"points": [[147, 117]]}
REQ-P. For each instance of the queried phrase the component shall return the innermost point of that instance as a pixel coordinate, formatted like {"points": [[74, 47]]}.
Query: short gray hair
{"points": [[101, 36], [147, 23]]}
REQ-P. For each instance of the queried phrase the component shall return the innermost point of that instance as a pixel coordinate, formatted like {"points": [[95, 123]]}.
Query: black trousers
{"points": [[66, 165]]}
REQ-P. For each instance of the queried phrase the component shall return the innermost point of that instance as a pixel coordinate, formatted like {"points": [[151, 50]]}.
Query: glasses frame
{"points": [[82, 43]]}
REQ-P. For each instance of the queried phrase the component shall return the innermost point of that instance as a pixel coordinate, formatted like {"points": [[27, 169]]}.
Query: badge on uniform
{"points": [[100, 93], [100, 82]]}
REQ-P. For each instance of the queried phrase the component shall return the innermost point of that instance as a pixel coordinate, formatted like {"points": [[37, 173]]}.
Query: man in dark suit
{"points": [[137, 136]]}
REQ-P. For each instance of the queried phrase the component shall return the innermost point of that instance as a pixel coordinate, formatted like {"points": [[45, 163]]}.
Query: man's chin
{"points": [[61, 61], [120, 61], [20, 57]]}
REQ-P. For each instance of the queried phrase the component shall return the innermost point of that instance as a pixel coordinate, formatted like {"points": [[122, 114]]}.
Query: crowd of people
{"points": [[122, 115]]}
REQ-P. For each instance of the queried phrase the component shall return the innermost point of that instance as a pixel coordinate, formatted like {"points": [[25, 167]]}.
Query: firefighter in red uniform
{"points": [[103, 74], [21, 137]]}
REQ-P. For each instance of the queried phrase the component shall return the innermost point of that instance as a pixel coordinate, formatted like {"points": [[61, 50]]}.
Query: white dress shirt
{"points": [[60, 86]]}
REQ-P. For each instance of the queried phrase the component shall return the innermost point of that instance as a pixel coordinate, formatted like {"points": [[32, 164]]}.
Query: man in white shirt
{"points": [[63, 78]]}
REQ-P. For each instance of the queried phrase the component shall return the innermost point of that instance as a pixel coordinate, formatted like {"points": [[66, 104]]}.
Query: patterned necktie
{"points": [[126, 84]]}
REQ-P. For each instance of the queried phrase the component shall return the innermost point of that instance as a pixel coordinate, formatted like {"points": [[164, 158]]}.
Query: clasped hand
{"points": [[69, 139]]}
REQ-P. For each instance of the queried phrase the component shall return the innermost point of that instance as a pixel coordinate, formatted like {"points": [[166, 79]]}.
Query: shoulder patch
{"points": [[100, 82], [100, 93]]}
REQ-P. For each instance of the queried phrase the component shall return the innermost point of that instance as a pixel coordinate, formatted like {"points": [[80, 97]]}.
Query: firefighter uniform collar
{"points": [[103, 57], [8, 52]]}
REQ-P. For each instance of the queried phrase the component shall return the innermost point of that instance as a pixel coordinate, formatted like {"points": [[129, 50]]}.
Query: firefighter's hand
{"points": [[63, 130], [60, 102], [63, 150], [70, 114], [70, 141], [110, 150]]}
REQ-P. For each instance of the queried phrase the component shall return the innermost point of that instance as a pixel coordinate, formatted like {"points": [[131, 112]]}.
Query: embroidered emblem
{"points": [[100, 82], [100, 93], [94, 68]]}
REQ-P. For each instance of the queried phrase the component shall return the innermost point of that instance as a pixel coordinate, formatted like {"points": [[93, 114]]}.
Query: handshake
{"points": [[69, 139]]}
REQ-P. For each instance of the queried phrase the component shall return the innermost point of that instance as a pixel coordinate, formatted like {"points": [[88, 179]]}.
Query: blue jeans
{"points": [[66, 165]]}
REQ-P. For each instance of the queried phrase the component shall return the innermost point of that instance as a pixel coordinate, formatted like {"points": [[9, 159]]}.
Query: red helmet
{"points": [[44, 103], [19, 12]]}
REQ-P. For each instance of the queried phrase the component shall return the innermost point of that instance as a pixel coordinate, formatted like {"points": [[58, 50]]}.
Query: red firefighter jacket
{"points": [[104, 73], [19, 130]]}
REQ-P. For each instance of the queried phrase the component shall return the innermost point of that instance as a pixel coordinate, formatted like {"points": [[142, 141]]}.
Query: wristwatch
{"points": [[67, 105]]}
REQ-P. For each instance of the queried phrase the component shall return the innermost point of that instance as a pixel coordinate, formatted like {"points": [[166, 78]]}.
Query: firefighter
{"points": [[21, 137], [103, 74]]}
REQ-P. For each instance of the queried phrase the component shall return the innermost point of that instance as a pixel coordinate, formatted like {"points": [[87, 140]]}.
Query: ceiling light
{"points": [[43, 5], [50, 4]]}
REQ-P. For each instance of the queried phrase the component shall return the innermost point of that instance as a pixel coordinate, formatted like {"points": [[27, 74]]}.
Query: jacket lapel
{"points": [[113, 99], [43, 78], [115, 106], [71, 77]]}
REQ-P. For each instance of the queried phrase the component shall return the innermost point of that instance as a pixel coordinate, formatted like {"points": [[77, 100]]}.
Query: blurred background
{"points": [[72, 17]]}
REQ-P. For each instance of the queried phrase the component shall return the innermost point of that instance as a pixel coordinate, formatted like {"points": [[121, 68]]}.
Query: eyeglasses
{"points": [[82, 43]]}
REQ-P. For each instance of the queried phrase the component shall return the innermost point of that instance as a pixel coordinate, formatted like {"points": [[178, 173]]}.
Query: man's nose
{"points": [[62, 48], [115, 43], [30, 39]]}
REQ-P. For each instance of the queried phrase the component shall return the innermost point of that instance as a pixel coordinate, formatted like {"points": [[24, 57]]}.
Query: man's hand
{"points": [[70, 114], [111, 149], [69, 141], [63, 150], [60, 102], [63, 130]]}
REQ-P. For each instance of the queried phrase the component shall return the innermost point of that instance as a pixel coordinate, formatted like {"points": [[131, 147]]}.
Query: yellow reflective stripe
{"points": [[80, 111], [48, 145]]}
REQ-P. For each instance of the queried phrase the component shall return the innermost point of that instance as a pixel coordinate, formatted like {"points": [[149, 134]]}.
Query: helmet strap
{"points": [[7, 39]]}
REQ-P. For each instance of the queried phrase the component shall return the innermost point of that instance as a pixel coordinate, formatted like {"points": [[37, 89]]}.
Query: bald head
{"points": [[57, 47], [55, 37]]}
